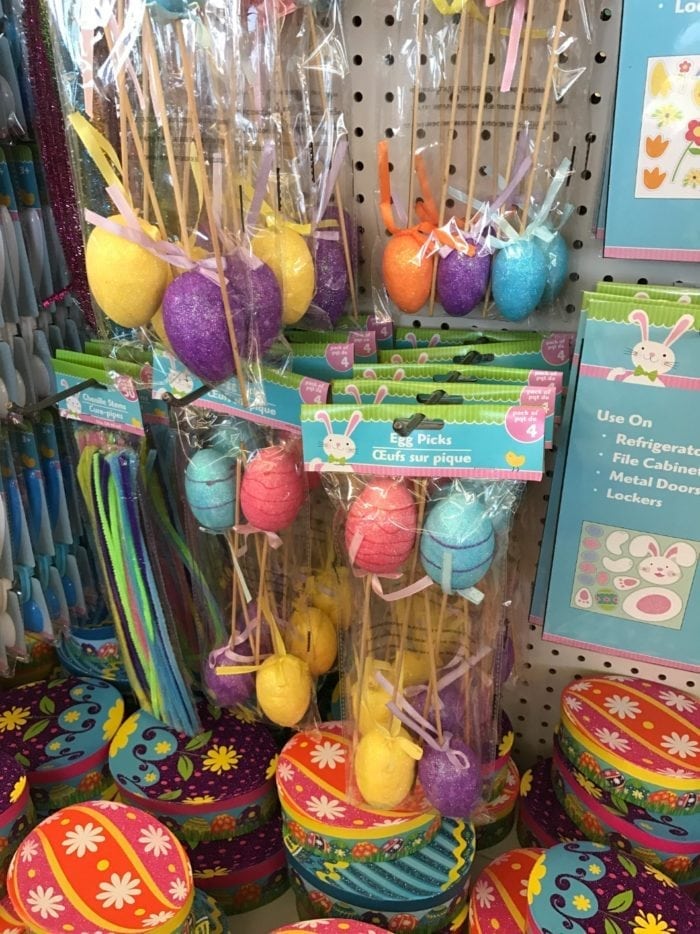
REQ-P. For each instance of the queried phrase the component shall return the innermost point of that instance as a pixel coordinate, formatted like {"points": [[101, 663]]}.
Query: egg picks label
{"points": [[274, 402], [624, 572], [488, 441]]}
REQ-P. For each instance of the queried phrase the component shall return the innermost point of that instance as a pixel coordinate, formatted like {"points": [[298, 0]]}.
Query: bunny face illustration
{"points": [[657, 603], [339, 448], [652, 359], [659, 570], [181, 383]]}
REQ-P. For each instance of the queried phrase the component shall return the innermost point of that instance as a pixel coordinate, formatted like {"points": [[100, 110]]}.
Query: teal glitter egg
{"points": [[518, 278], [210, 488], [458, 543]]}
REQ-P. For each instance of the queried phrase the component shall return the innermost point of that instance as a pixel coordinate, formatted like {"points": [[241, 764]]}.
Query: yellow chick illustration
{"points": [[27, 198], [28, 462], [514, 460], [46, 451]]}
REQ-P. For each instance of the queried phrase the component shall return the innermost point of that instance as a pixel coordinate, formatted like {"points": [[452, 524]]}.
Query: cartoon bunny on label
{"points": [[652, 359], [338, 448], [656, 603]]}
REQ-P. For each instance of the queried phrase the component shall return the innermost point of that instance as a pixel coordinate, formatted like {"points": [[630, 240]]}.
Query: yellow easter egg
{"points": [[312, 637], [369, 705], [384, 768], [126, 281], [283, 687], [416, 668], [156, 323], [331, 593], [286, 253]]}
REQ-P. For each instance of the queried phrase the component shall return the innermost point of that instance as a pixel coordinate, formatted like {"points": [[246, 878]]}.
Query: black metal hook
{"points": [[18, 412], [404, 426], [180, 403]]}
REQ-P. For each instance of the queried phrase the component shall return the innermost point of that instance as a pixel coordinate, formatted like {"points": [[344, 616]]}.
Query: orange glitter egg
{"points": [[407, 275]]}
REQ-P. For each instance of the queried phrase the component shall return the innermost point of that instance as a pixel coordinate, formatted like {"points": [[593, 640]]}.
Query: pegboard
{"points": [[372, 39]]}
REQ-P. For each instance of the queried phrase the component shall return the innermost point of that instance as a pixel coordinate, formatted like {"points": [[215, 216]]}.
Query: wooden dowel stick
{"points": [[476, 141], [420, 34], [520, 93]]}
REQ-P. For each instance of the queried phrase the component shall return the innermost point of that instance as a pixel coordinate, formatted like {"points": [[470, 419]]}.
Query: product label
{"points": [[112, 406]]}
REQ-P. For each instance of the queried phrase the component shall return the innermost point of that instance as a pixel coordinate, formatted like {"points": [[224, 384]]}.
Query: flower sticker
{"points": [[648, 923], [691, 179], [179, 890], [678, 701], [537, 874], [667, 115], [83, 839], [18, 789], [272, 768], [484, 893], [327, 755], [155, 920], [612, 739], [285, 771]]}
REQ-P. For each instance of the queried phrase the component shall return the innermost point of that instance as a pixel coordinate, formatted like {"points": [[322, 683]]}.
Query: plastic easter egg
{"points": [[462, 281], [557, 256], [283, 686], [416, 668], [451, 783], [458, 543], [195, 324], [256, 293], [210, 488], [234, 436], [332, 283], [380, 530], [384, 769], [369, 705], [312, 636], [407, 276], [156, 323], [231, 689], [286, 253], [272, 489], [330, 592], [518, 278], [126, 281]]}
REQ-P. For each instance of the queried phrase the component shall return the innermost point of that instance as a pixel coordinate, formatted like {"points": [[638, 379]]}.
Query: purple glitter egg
{"points": [[452, 711], [231, 689], [256, 295], [195, 323], [452, 783], [462, 281], [332, 283]]}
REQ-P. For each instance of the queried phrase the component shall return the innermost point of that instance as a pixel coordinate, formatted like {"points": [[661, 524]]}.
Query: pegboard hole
{"points": [[389, 97], [661, 676], [389, 59], [606, 14], [581, 210], [357, 59], [595, 98], [359, 166], [486, 134], [608, 279], [600, 57], [607, 664], [389, 20], [420, 133], [586, 174], [570, 309], [591, 137], [358, 96], [360, 199], [389, 133], [360, 132], [492, 58], [357, 21], [574, 277], [577, 244], [642, 281], [421, 97]]}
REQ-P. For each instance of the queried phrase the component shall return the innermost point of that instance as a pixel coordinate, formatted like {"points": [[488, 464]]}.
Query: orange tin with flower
{"points": [[325, 815], [59, 731], [216, 785], [16, 811], [498, 899], [637, 739]]}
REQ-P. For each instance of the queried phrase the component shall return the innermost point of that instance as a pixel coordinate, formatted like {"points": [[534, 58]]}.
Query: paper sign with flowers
{"points": [[668, 165]]}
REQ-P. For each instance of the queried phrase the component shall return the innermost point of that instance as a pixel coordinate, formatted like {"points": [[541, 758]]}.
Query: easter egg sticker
{"points": [[556, 349], [525, 423]]}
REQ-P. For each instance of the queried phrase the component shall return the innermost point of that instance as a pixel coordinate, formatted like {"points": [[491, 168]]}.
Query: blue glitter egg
{"points": [[556, 253], [458, 543], [210, 488], [518, 278]]}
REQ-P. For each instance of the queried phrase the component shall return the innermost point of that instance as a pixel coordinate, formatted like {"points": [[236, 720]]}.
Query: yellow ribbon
{"points": [[101, 151], [273, 219], [450, 7]]}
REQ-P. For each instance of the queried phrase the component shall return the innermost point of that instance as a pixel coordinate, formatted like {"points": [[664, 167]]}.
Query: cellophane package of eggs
{"points": [[424, 660], [476, 170]]}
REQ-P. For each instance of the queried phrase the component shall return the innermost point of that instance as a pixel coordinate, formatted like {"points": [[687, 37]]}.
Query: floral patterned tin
{"points": [[588, 887], [59, 731], [498, 899], [497, 772], [325, 815], [206, 916], [101, 866], [216, 785], [542, 821], [423, 892], [634, 736], [331, 926], [660, 841], [16, 812], [494, 819], [243, 873]]}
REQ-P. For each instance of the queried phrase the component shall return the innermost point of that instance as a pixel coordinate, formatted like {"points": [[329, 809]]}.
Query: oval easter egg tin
{"points": [[16, 814], [635, 736], [426, 889], [325, 815], [244, 873], [661, 841], [213, 786], [590, 887], [60, 732], [497, 772], [498, 899], [9, 922], [494, 819], [332, 926], [101, 866], [542, 821]]}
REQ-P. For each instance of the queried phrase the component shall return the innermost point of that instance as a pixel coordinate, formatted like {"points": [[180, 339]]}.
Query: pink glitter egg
{"points": [[381, 526], [273, 488]]}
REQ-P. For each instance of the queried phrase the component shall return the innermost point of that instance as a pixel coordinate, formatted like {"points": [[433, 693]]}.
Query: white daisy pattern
{"points": [[511, 780], [622, 706], [612, 739], [178, 890], [325, 808], [119, 891], [678, 701], [579, 686], [29, 850], [316, 925], [108, 805], [682, 746], [327, 755], [155, 840], [45, 902], [678, 773], [155, 920], [484, 893], [83, 839], [285, 771], [573, 703]]}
